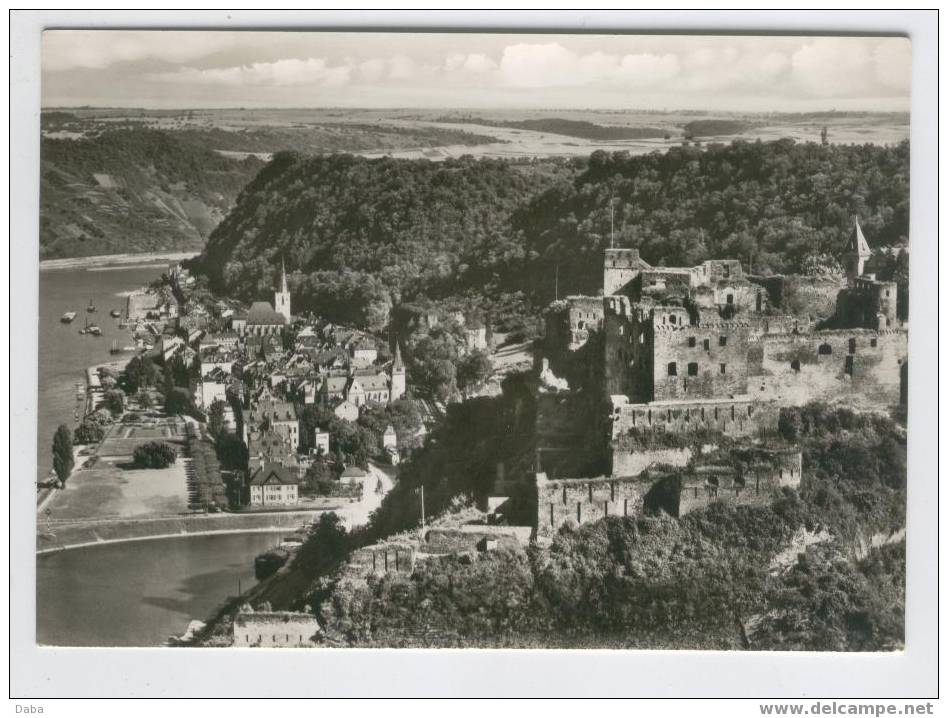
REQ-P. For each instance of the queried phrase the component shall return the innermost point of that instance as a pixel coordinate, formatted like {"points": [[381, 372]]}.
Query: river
{"points": [[127, 594], [140, 592]]}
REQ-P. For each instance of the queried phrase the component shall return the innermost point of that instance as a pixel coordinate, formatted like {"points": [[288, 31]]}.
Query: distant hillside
{"points": [[133, 191], [571, 128]]}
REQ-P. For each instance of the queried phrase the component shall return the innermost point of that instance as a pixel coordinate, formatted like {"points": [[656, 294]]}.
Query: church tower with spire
{"points": [[857, 253], [281, 299], [398, 380]]}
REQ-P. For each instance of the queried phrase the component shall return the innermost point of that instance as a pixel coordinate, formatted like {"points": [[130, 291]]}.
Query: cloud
{"points": [[95, 49], [552, 65], [282, 73]]}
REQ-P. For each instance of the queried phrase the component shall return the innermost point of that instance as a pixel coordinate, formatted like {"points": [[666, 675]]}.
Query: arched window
{"points": [[672, 319], [795, 365], [825, 350]]}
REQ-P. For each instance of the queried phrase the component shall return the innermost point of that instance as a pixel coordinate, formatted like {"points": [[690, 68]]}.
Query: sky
{"points": [[195, 69]]}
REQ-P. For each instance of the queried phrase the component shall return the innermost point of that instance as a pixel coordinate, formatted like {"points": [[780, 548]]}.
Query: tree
{"points": [[89, 432], [319, 478], [62, 453], [154, 455], [473, 370], [114, 401], [140, 372], [178, 401], [144, 400], [232, 452], [215, 418]]}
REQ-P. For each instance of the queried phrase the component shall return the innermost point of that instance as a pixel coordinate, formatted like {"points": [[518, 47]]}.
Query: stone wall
{"points": [[699, 361], [474, 537], [732, 417], [583, 501], [274, 629], [632, 462], [756, 483], [383, 558], [857, 366]]}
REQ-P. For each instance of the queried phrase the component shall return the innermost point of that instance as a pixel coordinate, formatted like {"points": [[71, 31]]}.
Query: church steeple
{"points": [[281, 299], [398, 381]]}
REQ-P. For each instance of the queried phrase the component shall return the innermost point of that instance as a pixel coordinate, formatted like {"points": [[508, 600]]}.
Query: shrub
{"points": [[154, 455]]}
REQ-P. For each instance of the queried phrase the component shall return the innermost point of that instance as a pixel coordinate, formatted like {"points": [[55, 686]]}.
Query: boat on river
{"points": [[91, 307], [94, 330], [67, 317], [115, 313]]}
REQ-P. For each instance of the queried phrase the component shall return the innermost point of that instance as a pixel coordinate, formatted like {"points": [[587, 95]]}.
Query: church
{"points": [[262, 318]]}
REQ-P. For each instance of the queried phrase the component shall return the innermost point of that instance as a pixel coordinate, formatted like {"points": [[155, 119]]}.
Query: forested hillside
{"points": [[133, 191], [360, 234], [768, 204]]}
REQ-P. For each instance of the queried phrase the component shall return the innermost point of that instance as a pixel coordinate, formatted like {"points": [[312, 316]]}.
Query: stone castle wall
{"points": [[583, 501], [383, 558], [860, 366], [699, 361], [632, 462], [732, 417], [274, 629]]}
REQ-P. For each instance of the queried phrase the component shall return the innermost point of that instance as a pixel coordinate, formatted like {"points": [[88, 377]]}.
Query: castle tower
{"points": [[281, 299], [857, 253], [620, 266], [398, 380]]}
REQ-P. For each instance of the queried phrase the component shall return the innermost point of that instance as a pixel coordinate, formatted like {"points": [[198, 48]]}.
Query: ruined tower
{"points": [[620, 267], [281, 299]]}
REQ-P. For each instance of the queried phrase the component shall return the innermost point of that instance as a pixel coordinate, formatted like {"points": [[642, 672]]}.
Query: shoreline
{"points": [[142, 259], [186, 534]]}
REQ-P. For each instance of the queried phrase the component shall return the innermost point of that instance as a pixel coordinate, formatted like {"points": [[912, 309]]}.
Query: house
{"points": [[389, 438], [364, 352], [353, 475], [272, 484], [333, 389], [277, 415], [321, 441], [268, 447], [213, 387]]}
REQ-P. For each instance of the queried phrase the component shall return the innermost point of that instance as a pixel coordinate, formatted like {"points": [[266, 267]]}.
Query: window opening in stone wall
{"points": [[825, 350], [730, 299], [873, 342], [692, 341], [693, 369], [724, 368], [722, 341], [795, 365], [852, 345], [672, 369]]}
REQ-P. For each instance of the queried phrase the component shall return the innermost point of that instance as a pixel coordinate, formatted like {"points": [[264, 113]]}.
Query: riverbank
{"points": [[125, 261], [102, 532]]}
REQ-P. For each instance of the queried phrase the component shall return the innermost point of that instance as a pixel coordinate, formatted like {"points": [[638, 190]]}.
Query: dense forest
{"points": [[359, 235], [133, 191]]}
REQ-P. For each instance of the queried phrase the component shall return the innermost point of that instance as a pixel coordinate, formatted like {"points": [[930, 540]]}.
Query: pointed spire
{"points": [[397, 363], [857, 241], [283, 276]]}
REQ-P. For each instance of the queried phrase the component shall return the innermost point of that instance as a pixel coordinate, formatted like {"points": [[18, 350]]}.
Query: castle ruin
{"points": [[671, 360]]}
